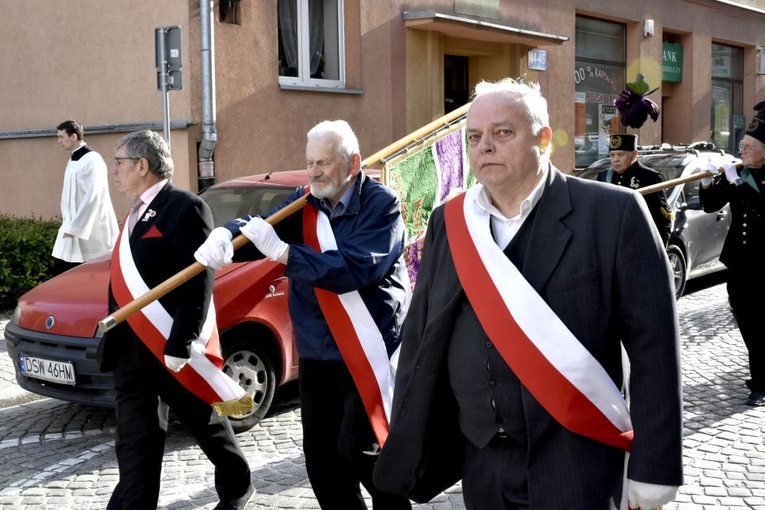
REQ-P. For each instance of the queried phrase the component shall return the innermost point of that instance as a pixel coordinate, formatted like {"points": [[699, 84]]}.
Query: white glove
{"points": [[711, 168], [731, 174], [217, 249], [264, 237], [175, 364], [648, 495]]}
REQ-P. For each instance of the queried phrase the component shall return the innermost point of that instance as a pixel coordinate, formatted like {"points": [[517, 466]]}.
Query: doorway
{"points": [[456, 89]]}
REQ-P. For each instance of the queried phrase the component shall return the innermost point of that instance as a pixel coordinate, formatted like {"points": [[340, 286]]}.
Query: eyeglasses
{"points": [[118, 161], [743, 147]]}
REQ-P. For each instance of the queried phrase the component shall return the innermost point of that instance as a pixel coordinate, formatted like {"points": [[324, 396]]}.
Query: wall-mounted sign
{"points": [[538, 60], [672, 62]]}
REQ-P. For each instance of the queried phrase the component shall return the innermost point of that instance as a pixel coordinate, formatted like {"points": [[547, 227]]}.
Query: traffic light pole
{"points": [[168, 66], [162, 70]]}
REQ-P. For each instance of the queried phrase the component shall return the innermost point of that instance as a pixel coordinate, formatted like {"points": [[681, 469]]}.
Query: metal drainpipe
{"points": [[209, 129]]}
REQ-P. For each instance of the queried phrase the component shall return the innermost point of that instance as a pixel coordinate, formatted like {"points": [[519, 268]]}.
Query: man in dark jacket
{"points": [[510, 369], [162, 355], [348, 295], [627, 171], [744, 247]]}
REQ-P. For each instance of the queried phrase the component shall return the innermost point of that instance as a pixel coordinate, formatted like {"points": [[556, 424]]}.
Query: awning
{"points": [[466, 28]]}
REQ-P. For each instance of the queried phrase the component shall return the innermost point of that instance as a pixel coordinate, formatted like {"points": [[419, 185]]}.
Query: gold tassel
{"points": [[235, 408]]}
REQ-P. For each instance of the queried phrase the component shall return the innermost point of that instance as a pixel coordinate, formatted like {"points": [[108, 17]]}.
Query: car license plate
{"points": [[61, 372]]}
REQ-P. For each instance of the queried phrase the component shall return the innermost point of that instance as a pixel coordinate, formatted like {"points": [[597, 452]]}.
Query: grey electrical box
{"points": [[168, 57]]}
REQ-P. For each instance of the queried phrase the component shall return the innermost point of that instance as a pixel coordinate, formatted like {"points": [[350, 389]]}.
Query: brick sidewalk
{"points": [[60, 456]]}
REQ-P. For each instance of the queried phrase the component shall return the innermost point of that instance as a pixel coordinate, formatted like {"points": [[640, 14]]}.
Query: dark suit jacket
{"points": [[162, 246], [640, 176], [744, 246], [600, 265]]}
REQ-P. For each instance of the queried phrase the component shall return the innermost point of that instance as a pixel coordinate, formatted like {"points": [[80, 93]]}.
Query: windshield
{"points": [[228, 203]]}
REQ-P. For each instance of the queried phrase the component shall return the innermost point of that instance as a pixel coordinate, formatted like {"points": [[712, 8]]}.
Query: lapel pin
{"points": [[149, 214]]}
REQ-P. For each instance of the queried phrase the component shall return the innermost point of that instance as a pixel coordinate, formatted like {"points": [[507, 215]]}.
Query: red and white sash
{"points": [[552, 364], [152, 324], [356, 333]]}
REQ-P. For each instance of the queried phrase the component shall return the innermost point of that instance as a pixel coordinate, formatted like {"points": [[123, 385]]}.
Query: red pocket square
{"points": [[152, 232]]}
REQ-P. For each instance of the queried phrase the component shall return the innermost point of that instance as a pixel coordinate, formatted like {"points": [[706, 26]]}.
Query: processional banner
{"points": [[424, 175]]}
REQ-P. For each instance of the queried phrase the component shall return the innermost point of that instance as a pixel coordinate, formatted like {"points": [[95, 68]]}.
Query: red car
{"points": [[54, 333]]}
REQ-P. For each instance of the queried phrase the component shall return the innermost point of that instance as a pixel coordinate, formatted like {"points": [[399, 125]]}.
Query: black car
{"points": [[697, 237]]}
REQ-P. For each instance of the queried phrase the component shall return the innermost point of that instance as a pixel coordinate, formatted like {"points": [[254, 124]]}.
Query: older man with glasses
{"points": [[744, 248], [166, 355]]}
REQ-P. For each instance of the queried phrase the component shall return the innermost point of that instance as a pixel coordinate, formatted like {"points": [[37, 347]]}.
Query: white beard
{"points": [[329, 190]]}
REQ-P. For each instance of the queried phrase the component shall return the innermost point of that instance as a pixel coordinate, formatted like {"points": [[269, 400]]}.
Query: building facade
{"points": [[255, 75]]}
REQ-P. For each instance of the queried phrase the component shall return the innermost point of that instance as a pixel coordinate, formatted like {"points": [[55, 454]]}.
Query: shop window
{"points": [[727, 96], [599, 78], [311, 43]]}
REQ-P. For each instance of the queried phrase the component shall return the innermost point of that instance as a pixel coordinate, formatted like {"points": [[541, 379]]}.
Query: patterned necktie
{"points": [[133, 219]]}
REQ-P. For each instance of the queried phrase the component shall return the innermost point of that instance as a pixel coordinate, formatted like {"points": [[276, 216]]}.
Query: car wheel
{"points": [[679, 269], [251, 367]]}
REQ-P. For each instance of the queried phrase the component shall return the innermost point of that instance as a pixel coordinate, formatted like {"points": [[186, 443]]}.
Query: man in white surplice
{"points": [[89, 226]]}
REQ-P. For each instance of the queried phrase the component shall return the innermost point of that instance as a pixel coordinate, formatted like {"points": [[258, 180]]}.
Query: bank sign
{"points": [[672, 62]]}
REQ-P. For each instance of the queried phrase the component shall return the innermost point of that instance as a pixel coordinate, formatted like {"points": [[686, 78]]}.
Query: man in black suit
{"points": [[627, 170], [510, 369], [159, 355], [744, 246]]}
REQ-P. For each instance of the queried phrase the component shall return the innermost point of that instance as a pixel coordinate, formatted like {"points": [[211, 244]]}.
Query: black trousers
{"points": [[567, 472], [336, 433], [748, 305], [145, 392], [491, 480], [59, 266]]}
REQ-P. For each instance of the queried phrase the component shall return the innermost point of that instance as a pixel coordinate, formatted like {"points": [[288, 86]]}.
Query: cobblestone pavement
{"points": [[56, 455]]}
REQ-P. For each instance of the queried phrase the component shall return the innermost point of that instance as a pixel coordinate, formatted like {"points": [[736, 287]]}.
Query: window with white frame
{"points": [[311, 43]]}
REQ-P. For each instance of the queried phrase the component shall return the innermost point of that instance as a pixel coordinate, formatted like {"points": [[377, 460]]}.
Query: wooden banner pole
{"points": [[194, 269], [680, 180]]}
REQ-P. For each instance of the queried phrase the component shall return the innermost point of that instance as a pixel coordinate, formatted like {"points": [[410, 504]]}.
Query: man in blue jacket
{"points": [[348, 296]]}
